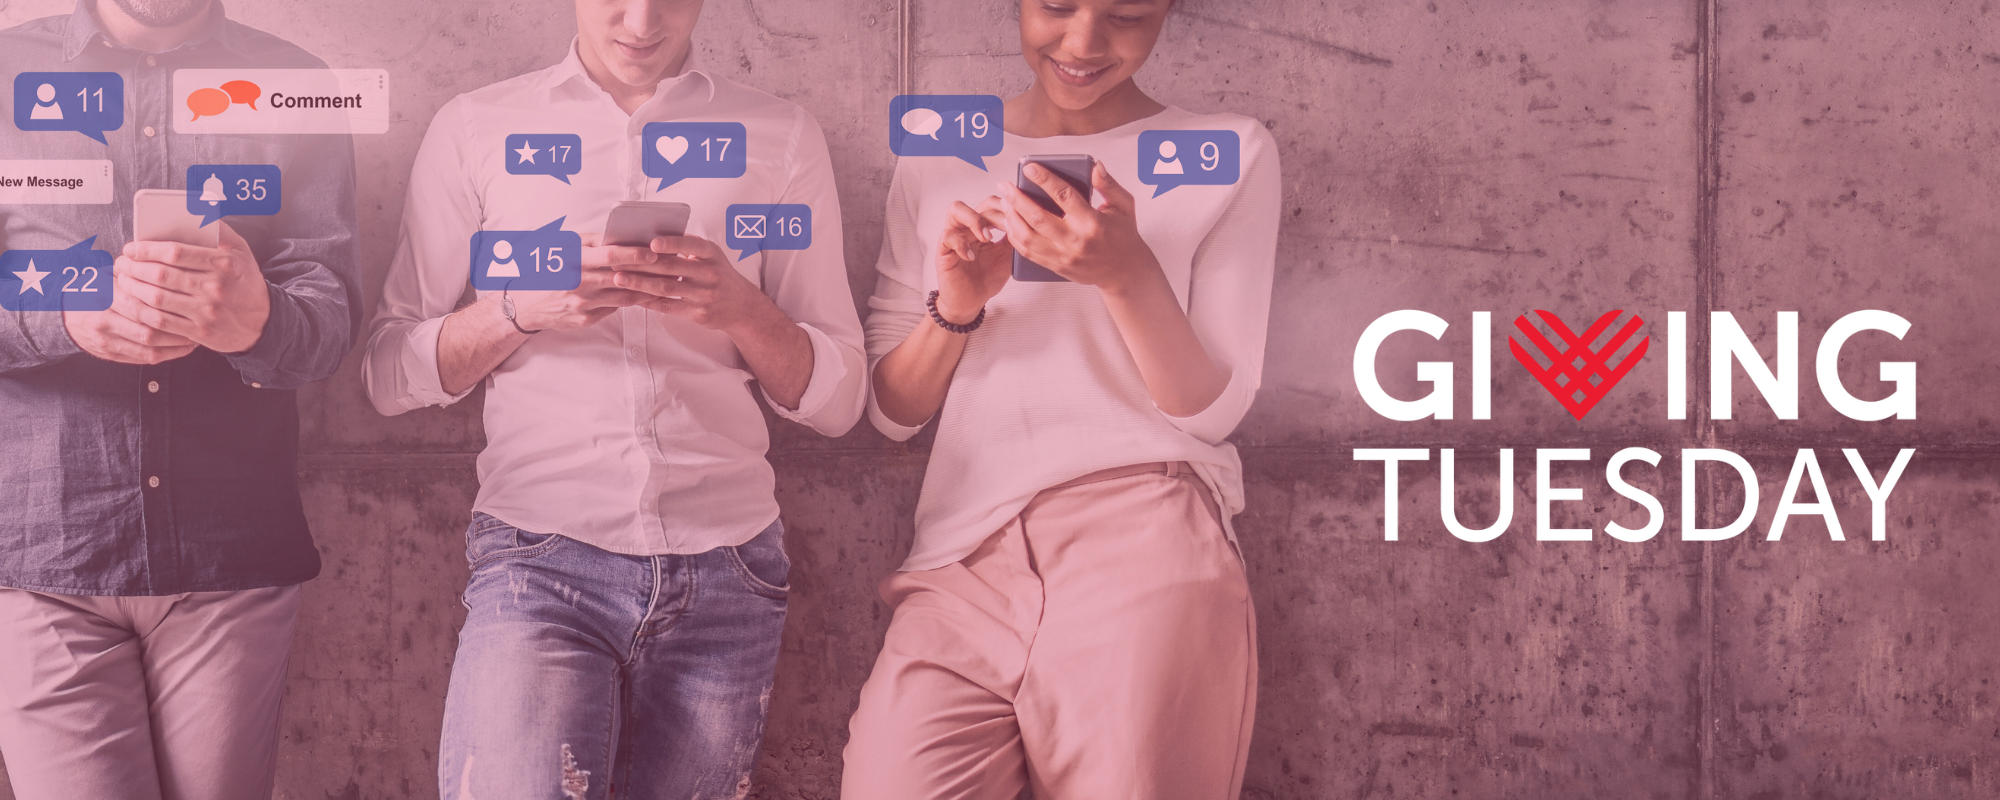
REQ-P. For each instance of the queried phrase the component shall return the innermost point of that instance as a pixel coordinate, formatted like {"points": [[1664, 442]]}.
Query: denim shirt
{"points": [[176, 477]]}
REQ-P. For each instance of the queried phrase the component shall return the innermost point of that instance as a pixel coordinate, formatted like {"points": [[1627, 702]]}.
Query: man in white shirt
{"points": [[628, 573]]}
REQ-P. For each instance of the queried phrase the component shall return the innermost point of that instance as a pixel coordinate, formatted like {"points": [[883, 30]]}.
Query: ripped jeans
{"points": [[583, 674]]}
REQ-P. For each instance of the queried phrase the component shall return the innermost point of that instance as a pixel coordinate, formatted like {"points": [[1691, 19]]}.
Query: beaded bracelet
{"points": [[931, 303]]}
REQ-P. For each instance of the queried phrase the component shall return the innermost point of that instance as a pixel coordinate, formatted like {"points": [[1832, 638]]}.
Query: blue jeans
{"points": [[584, 674]]}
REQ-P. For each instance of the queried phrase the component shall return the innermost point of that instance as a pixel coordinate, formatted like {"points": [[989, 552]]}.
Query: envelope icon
{"points": [[749, 227]]}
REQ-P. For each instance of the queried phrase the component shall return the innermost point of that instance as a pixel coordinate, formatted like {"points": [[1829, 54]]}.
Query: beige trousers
{"points": [[1101, 645], [143, 698]]}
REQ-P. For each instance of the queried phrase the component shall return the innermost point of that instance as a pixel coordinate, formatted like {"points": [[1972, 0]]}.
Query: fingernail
{"points": [[995, 235], [1034, 170]]}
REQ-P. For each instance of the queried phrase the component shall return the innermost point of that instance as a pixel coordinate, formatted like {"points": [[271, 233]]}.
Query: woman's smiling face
{"points": [[1081, 49]]}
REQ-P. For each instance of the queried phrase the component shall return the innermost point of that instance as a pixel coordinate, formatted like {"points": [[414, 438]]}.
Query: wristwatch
{"points": [[507, 310]]}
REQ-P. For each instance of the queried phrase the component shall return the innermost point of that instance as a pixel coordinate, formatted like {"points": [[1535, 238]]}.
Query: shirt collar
{"points": [[693, 73], [82, 29]]}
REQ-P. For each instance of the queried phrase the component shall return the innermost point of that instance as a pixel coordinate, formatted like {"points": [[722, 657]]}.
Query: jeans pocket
{"points": [[489, 539], [762, 562]]}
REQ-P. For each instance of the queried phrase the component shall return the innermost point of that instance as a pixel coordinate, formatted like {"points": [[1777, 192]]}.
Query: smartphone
{"points": [[636, 223], [161, 215], [1072, 168]]}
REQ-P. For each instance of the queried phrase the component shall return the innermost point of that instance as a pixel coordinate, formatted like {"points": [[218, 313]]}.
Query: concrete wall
{"points": [[1452, 156]]}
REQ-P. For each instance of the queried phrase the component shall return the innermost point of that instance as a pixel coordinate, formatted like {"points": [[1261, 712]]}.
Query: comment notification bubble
{"points": [[1168, 159], [77, 278], [547, 258], [755, 227], [218, 190], [557, 155], [89, 103], [676, 151], [963, 126]]}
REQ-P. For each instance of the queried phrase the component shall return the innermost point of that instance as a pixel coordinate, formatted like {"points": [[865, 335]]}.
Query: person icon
{"points": [[1169, 163], [502, 265], [47, 108]]}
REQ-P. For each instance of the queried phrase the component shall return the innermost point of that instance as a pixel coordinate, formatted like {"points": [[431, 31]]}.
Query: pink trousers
{"points": [[1101, 645], [143, 698]]}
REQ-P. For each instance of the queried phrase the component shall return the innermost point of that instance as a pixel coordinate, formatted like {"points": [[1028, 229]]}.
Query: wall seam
{"points": [[1702, 430]]}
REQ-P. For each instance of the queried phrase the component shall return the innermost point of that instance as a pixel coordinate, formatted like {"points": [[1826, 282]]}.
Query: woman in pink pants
{"points": [[1073, 619]]}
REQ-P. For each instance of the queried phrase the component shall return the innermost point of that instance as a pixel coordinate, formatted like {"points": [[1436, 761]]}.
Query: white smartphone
{"points": [[161, 215], [636, 223]]}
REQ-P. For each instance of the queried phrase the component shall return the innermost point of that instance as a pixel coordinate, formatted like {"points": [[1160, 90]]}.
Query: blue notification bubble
{"points": [[963, 126], [74, 279], [676, 151], [1189, 158], [557, 155], [218, 190], [89, 103], [544, 259], [755, 227]]}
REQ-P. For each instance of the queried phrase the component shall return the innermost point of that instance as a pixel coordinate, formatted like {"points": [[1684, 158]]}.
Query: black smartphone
{"points": [[1072, 168]]}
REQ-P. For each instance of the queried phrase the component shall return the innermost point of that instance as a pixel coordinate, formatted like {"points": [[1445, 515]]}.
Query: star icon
{"points": [[527, 153], [31, 277]]}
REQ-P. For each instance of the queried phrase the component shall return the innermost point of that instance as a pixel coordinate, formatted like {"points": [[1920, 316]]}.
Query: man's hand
{"points": [[595, 298], [215, 297], [110, 336], [693, 279]]}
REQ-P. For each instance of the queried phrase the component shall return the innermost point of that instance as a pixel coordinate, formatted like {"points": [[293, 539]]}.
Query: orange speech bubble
{"points": [[243, 92], [207, 102]]}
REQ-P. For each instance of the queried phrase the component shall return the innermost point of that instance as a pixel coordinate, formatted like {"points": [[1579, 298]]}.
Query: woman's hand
{"points": [[973, 260], [1094, 245]]}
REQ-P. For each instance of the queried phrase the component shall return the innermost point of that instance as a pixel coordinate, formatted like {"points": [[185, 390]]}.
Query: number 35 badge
{"points": [[547, 258], [74, 279]]}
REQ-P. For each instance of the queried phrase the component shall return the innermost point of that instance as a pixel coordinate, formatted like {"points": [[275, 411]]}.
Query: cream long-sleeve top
{"points": [[1046, 390], [639, 434]]}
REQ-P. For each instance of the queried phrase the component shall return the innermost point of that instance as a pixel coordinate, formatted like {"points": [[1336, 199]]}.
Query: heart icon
{"points": [[1578, 375], [671, 148]]}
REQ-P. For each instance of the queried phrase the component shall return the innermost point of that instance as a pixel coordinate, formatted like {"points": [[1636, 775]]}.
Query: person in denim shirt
{"points": [[155, 538]]}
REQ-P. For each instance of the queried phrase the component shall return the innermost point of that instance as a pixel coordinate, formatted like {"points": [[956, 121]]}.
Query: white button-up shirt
{"points": [[637, 434]]}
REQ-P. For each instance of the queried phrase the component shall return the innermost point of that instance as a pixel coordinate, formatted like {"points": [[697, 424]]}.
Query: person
{"points": [[628, 573], [1072, 620], [156, 540], [45, 104]]}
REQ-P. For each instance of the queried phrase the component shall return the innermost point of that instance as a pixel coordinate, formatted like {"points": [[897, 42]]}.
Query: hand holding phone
{"points": [[1072, 169], [193, 282]]}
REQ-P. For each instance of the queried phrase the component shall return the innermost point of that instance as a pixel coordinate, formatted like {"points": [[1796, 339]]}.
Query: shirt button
{"points": [[152, 386], [255, 385], [150, 131], [153, 481], [150, 62]]}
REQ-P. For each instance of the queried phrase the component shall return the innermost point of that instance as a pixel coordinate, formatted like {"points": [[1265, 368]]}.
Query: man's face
{"points": [[162, 13], [1081, 49], [639, 42]]}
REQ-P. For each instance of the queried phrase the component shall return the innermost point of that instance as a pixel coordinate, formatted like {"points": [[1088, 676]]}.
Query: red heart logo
{"points": [[1578, 375]]}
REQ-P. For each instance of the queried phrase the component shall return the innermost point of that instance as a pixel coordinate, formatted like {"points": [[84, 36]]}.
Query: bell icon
{"points": [[211, 190]]}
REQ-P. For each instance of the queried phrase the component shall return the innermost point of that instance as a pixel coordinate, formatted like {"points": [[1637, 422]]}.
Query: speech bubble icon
{"points": [[89, 103], [755, 227], [557, 155], [243, 92], [676, 151], [1170, 159], [923, 122], [207, 102], [544, 259], [245, 189], [76, 278], [968, 127]]}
